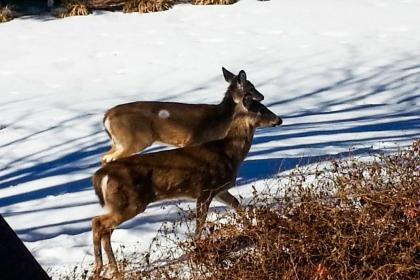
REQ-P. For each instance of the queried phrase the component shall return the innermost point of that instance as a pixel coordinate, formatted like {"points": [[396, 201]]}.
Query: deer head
{"points": [[240, 86]]}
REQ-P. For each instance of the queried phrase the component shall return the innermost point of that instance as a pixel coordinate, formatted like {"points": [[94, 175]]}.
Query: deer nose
{"points": [[278, 122], [256, 95]]}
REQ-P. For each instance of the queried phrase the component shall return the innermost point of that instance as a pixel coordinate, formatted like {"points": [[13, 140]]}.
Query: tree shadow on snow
{"points": [[401, 79]]}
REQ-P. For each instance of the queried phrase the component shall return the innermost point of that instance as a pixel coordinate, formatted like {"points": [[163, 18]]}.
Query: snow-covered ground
{"points": [[342, 74]]}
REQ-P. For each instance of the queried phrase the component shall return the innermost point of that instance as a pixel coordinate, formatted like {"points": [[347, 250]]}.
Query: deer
{"points": [[202, 172], [132, 127]]}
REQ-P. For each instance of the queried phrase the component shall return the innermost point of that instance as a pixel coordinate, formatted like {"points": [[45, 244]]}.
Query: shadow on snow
{"points": [[402, 78]]}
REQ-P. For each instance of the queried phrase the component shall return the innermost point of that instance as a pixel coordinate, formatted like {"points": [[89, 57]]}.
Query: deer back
{"points": [[173, 123]]}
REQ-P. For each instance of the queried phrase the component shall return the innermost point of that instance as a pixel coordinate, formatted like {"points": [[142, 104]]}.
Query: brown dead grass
{"points": [[6, 14], [147, 6], [213, 2], [75, 8], [352, 220], [348, 219]]}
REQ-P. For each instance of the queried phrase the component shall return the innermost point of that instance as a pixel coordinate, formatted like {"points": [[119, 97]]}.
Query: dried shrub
{"points": [[75, 8], [348, 219], [147, 6], [213, 2], [6, 14], [344, 219]]}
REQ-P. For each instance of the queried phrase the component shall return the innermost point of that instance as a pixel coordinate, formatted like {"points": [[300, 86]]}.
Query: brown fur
{"points": [[135, 126], [199, 172]]}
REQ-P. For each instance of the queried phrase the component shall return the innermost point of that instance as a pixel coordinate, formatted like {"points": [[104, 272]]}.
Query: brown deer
{"points": [[133, 127], [126, 186]]}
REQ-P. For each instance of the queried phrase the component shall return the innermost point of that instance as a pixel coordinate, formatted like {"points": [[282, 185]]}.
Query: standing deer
{"points": [[133, 127], [126, 186]]}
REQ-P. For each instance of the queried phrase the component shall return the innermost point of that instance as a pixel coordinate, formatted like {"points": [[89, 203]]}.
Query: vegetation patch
{"points": [[344, 219], [67, 8], [6, 13], [75, 8], [213, 2], [147, 6], [349, 219]]}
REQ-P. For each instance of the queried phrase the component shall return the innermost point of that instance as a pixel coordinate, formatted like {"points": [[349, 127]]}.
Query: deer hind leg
{"points": [[97, 232], [119, 149], [126, 139], [126, 148], [122, 202], [106, 244], [108, 156], [105, 225]]}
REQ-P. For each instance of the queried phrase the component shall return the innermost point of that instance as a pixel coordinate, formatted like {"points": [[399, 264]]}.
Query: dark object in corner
{"points": [[16, 262]]}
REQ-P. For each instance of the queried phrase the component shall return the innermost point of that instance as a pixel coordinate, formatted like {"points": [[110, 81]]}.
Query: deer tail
{"points": [[100, 183]]}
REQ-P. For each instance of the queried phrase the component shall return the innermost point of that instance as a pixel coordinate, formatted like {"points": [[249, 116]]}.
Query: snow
{"points": [[342, 74]]}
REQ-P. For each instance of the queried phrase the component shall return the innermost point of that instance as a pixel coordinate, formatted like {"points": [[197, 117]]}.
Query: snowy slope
{"points": [[342, 74]]}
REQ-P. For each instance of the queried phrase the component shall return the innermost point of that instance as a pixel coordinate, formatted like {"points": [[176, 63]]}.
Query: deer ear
{"points": [[242, 77], [228, 75], [247, 101]]}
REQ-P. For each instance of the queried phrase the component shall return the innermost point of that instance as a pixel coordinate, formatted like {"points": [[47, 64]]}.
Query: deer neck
{"points": [[239, 139], [227, 105]]}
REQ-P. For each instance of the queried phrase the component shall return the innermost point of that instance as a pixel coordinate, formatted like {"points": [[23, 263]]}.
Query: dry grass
{"points": [[213, 2], [147, 6], [348, 220], [6, 14], [84, 7], [74, 8]]}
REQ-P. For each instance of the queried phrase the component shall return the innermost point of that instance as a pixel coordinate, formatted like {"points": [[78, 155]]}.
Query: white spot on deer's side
{"points": [[164, 114], [104, 185]]}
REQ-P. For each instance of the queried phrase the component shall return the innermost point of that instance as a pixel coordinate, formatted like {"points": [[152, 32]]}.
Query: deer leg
{"points": [[119, 149], [203, 203], [228, 199], [109, 223], [97, 231], [128, 149], [108, 156], [116, 153], [106, 244]]}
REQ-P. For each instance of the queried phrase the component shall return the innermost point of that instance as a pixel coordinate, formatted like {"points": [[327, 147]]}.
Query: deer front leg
{"points": [[228, 199], [203, 203]]}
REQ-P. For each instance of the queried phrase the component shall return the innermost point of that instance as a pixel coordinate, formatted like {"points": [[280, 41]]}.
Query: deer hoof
{"points": [[96, 273], [98, 269]]}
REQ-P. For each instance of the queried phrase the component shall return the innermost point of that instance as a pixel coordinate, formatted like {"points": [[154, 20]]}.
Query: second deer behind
{"points": [[135, 126]]}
